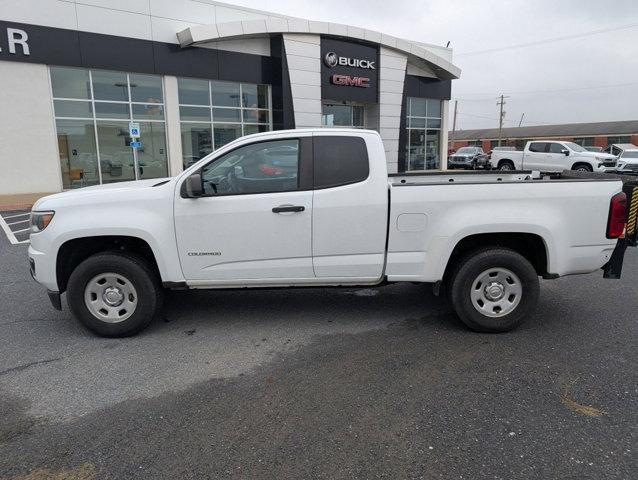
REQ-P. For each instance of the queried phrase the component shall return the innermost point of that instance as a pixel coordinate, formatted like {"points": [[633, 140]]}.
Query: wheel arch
{"points": [[74, 251], [532, 246], [586, 163]]}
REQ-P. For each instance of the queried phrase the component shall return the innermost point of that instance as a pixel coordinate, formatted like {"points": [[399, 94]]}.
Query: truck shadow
{"points": [[413, 305]]}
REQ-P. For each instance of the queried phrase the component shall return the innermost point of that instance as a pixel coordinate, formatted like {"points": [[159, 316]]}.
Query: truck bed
{"points": [[430, 212]]}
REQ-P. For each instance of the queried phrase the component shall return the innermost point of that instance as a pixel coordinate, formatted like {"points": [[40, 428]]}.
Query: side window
{"points": [[538, 147], [556, 148], [264, 167], [339, 160]]}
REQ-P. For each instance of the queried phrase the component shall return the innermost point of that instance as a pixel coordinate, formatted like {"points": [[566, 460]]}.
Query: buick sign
{"points": [[331, 60]]}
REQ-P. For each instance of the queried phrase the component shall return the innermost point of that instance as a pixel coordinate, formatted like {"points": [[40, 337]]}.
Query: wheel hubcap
{"points": [[496, 292], [110, 297]]}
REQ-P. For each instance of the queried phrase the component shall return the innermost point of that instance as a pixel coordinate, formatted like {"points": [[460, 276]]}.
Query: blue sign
{"points": [[134, 130], [136, 144]]}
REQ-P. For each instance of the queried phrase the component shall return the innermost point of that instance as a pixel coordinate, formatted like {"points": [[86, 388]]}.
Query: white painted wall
{"points": [[173, 128], [392, 65], [303, 54], [29, 158]]}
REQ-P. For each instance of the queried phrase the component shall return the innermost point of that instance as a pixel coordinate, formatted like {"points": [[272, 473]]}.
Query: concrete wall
{"points": [[29, 159]]}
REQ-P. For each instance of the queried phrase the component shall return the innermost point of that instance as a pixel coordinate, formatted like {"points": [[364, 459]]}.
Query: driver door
{"points": [[252, 225]]}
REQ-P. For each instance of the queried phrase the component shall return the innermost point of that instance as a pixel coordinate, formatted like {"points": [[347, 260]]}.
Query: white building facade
{"points": [[196, 74]]}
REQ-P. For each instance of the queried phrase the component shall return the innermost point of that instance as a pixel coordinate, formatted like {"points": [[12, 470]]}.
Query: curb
{"points": [[16, 206]]}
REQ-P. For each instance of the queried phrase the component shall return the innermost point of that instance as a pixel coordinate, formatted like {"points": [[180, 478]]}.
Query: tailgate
{"points": [[613, 268]]}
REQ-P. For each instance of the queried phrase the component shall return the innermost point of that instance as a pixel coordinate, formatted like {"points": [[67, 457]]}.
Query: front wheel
{"points": [[114, 294], [493, 290], [582, 167]]}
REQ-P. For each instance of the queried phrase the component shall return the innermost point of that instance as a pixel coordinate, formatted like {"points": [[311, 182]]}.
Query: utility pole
{"points": [[456, 104], [501, 117], [521, 121]]}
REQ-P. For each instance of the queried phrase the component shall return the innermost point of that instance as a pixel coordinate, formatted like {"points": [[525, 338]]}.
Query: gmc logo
{"points": [[350, 81]]}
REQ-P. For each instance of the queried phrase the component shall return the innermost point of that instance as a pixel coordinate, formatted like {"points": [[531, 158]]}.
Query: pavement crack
{"points": [[19, 368]]}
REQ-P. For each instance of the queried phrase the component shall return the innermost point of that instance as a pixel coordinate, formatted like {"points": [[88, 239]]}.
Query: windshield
{"points": [[630, 154], [575, 147], [467, 150]]}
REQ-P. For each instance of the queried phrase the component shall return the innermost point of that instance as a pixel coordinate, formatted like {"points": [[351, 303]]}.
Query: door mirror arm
{"points": [[193, 186], [565, 152]]}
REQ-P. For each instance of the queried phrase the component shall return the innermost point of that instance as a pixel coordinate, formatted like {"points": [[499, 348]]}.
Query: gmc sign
{"points": [[348, 80]]}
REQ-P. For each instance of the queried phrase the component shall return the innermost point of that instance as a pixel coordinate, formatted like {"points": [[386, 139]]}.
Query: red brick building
{"points": [[598, 134]]}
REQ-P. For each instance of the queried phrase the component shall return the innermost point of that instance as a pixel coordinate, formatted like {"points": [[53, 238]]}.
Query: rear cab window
{"points": [[339, 160], [538, 147]]}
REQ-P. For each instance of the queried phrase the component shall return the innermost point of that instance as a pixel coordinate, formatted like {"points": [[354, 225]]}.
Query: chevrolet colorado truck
{"points": [[316, 207], [553, 156]]}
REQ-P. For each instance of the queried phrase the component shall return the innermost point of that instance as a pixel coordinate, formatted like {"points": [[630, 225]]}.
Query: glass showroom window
{"points": [[213, 113], [342, 116], [424, 134], [92, 112]]}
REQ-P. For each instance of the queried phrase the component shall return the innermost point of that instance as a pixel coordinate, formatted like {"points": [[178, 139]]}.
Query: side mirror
{"points": [[193, 186], [565, 152]]}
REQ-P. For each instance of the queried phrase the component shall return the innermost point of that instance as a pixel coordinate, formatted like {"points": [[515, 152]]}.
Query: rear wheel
{"points": [[506, 165], [114, 294], [582, 167], [493, 290]]}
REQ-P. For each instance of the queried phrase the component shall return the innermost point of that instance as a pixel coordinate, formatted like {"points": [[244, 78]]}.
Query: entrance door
{"points": [[253, 224]]}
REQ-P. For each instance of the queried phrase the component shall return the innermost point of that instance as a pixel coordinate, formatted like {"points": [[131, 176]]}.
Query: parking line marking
{"points": [[12, 238], [16, 216], [19, 221]]}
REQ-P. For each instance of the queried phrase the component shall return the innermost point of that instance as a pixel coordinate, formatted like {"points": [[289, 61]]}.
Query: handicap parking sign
{"points": [[134, 130]]}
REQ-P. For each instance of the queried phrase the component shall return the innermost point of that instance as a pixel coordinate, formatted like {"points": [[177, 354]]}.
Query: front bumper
{"points": [[42, 268]]}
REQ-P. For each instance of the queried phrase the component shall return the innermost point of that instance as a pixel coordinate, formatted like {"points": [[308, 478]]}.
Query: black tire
{"points": [[582, 167], [506, 165], [467, 272], [149, 293]]}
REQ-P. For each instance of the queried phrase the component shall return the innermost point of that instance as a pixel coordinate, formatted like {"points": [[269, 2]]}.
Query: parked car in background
{"points": [[553, 156], [593, 149], [469, 158], [627, 154], [506, 148]]}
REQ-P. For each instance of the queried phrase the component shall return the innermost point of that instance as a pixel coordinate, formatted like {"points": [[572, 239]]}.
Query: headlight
{"points": [[40, 220]]}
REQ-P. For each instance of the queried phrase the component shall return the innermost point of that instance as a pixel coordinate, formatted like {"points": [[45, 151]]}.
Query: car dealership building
{"points": [[195, 75]]}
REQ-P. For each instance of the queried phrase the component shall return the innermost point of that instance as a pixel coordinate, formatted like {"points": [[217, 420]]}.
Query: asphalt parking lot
{"points": [[15, 225], [321, 383]]}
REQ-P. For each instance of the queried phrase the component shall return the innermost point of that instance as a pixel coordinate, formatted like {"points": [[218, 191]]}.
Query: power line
{"points": [[549, 40], [529, 92]]}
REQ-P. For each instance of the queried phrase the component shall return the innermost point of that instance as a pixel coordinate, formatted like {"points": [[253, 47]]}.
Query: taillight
{"points": [[617, 216]]}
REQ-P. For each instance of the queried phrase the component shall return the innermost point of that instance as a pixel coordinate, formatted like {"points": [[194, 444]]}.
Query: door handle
{"points": [[288, 208]]}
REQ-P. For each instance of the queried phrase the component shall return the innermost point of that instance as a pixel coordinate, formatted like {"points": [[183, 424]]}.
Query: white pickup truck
{"points": [[553, 156], [315, 207]]}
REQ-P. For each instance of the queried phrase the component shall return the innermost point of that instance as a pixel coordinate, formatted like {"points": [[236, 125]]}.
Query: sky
{"points": [[586, 78]]}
